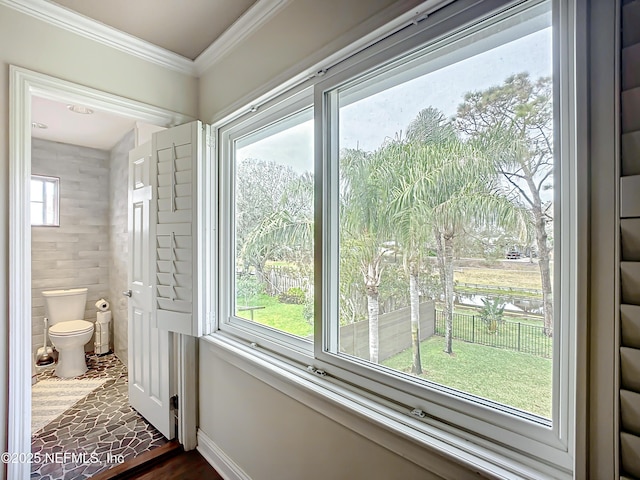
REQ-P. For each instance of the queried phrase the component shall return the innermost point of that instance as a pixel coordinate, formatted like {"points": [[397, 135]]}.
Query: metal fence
{"points": [[517, 336]]}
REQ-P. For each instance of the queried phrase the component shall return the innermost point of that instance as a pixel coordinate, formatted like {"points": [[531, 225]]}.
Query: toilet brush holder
{"points": [[44, 356]]}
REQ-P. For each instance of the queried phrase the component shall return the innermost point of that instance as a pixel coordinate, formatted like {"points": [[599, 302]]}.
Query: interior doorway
{"points": [[25, 87]]}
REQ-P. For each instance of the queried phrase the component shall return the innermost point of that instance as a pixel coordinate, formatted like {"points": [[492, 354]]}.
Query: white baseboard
{"points": [[219, 460]]}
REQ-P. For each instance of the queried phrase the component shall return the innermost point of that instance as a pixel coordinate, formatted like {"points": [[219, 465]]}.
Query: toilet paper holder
{"points": [[102, 305]]}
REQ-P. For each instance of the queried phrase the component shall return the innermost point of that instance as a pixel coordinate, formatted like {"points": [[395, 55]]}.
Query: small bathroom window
{"points": [[45, 201]]}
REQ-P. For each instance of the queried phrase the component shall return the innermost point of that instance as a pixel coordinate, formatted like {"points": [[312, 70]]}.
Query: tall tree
{"points": [[286, 228], [363, 227], [259, 196], [411, 218], [519, 113], [446, 186]]}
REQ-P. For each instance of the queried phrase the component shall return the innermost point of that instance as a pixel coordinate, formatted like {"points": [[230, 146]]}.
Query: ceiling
{"points": [[186, 28], [183, 27], [97, 130]]}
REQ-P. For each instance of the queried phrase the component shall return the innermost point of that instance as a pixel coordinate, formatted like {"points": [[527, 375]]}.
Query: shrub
{"points": [[294, 295], [492, 313], [247, 288], [307, 311]]}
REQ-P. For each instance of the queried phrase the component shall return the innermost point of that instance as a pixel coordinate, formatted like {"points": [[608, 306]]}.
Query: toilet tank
{"points": [[65, 305]]}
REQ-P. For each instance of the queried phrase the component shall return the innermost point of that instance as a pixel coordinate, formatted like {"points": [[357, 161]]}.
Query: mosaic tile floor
{"points": [[96, 433]]}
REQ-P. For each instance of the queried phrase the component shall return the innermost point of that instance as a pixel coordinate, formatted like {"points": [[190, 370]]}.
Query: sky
{"points": [[366, 123]]}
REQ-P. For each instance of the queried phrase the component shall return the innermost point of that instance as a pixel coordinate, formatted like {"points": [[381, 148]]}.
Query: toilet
{"points": [[67, 331]]}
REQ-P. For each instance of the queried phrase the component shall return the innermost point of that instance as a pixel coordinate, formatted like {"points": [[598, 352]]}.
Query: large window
{"points": [[445, 171], [435, 276]]}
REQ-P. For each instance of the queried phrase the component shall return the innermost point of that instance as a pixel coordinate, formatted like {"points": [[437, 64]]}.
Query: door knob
{"points": [[127, 293]]}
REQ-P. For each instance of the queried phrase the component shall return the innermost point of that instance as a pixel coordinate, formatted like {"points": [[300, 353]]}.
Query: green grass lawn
{"points": [[515, 379], [282, 316]]}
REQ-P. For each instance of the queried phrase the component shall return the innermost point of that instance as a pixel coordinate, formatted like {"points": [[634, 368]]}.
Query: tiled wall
{"points": [[119, 249], [75, 254]]}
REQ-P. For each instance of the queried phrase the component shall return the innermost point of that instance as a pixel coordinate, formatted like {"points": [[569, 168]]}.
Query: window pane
{"points": [[274, 226], [44, 201], [51, 202], [446, 215], [36, 190], [50, 191], [37, 213]]}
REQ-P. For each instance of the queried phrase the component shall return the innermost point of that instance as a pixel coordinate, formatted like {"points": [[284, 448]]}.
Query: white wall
{"points": [[32, 44], [270, 435]]}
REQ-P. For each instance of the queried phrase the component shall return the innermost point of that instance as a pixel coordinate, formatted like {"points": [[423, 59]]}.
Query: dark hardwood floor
{"points": [[184, 466], [167, 463]]}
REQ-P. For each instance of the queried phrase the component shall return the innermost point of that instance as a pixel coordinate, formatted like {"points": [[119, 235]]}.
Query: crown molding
{"points": [[256, 16], [59, 16], [79, 24]]}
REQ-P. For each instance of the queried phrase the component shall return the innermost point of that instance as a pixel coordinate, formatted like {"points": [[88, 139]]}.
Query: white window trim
{"points": [[555, 455]]}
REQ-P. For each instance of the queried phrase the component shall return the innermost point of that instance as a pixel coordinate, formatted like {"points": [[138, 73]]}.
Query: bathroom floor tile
{"points": [[99, 366], [97, 432]]}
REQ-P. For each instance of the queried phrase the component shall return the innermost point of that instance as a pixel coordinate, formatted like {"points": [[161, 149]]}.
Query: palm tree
{"points": [[446, 186], [363, 227], [410, 233]]}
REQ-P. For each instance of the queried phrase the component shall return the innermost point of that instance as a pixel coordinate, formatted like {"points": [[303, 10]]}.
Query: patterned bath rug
{"points": [[50, 398]]}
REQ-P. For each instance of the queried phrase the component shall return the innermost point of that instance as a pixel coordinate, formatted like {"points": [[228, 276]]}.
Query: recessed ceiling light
{"points": [[38, 125], [80, 109]]}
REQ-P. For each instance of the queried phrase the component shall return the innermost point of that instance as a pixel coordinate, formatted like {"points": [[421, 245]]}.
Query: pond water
{"points": [[512, 304]]}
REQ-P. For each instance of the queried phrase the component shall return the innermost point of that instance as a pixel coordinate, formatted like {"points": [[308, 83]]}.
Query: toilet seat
{"points": [[71, 327]]}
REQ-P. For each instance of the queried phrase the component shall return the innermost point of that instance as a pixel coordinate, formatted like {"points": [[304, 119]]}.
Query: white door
{"points": [[150, 349]]}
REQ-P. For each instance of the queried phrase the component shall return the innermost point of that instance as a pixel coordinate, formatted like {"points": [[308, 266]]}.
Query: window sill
{"points": [[450, 456]]}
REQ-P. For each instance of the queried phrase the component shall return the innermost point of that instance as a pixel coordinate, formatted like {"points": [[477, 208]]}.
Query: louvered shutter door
{"points": [[180, 155], [630, 244]]}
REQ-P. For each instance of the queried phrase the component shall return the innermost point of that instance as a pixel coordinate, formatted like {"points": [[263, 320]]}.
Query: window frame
{"points": [[55, 181], [516, 438], [294, 102]]}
